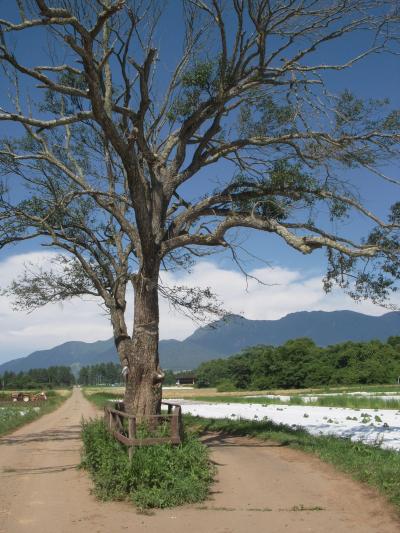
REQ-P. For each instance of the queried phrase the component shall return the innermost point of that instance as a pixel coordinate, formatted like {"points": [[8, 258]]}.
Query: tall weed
{"points": [[157, 476]]}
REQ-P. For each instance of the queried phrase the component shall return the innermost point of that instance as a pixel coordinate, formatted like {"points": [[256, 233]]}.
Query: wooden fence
{"points": [[127, 434]]}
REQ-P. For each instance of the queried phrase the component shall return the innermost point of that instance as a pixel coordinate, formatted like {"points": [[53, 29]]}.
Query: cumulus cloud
{"points": [[282, 291], [269, 294], [22, 333]]}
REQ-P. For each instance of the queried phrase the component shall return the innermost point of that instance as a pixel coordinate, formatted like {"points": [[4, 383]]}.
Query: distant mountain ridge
{"points": [[224, 338]]}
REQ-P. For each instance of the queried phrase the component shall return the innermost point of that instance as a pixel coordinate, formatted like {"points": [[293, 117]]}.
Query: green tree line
{"points": [[36, 378], [110, 374], [100, 374], [300, 363]]}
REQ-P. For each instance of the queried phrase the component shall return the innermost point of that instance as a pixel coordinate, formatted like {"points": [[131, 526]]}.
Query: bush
{"points": [[158, 476], [226, 385]]}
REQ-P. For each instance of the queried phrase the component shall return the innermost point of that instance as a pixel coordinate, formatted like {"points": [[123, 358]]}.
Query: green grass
{"points": [[353, 402], [10, 412], [356, 388], [157, 476], [377, 467], [100, 399]]}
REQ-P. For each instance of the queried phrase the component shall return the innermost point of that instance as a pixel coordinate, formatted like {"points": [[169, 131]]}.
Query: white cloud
{"points": [[22, 333], [284, 291]]}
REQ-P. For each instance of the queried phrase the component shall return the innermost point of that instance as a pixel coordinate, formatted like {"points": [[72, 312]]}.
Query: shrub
{"points": [[226, 385], [157, 476]]}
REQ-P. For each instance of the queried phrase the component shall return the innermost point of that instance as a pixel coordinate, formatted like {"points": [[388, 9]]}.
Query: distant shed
{"points": [[186, 379]]}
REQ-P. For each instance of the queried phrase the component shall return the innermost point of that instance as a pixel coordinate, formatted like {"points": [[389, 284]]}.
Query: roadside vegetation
{"points": [[157, 476], [373, 465], [16, 414]]}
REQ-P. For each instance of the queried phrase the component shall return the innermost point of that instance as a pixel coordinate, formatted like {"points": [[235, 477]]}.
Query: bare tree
{"points": [[111, 134]]}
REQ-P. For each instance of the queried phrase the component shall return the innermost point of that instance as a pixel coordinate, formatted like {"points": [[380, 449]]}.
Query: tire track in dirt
{"points": [[260, 487]]}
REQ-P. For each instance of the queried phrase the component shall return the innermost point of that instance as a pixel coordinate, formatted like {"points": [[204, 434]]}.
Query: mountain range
{"points": [[224, 338]]}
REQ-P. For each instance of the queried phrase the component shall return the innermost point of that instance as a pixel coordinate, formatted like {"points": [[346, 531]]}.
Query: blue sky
{"points": [[377, 76]]}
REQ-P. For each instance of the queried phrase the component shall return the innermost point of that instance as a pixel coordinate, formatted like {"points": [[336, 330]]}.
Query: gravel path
{"points": [[261, 487]]}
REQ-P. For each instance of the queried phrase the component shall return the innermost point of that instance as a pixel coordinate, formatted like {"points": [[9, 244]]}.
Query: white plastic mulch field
{"points": [[372, 426]]}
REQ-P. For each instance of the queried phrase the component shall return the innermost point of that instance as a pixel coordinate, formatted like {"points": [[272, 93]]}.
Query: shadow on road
{"points": [[11, 472], [66, 433], [227, 440]]}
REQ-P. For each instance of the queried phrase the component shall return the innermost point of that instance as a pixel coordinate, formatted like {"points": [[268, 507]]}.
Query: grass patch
{"points": [[16, 414], [370, 464], [346, 401], [102, 398], [353, 402], [157, 476], [358, 388], [236, 399], [190, 393]]}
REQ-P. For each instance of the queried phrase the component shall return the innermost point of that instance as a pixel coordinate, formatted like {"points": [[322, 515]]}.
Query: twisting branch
{"points": [[107, 162]]}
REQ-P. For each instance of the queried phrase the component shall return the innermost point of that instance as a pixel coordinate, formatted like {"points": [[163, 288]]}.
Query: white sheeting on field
{"points": [[380, 426]]}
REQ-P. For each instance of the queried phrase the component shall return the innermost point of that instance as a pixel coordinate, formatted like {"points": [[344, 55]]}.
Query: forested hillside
{"points": [[301, 363], [223, 338]]}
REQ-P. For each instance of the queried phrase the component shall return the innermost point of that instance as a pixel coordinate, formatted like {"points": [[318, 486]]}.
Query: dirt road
{"points": [[261, 487]]}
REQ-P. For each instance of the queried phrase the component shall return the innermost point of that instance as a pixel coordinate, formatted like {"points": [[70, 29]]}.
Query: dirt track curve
{"points": [[260, 488]]}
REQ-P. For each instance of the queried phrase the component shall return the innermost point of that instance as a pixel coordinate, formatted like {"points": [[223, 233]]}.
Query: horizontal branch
{"points": [[47, 124], [304, 244]]}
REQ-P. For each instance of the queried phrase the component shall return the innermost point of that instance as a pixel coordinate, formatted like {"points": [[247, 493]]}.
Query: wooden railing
{"points": [[127, 434]]}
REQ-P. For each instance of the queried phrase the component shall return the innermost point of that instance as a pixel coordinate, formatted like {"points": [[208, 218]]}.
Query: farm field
{"points": [[370, 426], [16, 414], [346, 400], [188, 392], [369, 416]]}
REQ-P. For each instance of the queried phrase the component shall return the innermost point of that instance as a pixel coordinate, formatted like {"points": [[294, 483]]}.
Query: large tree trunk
{"points": [[144, 376]]}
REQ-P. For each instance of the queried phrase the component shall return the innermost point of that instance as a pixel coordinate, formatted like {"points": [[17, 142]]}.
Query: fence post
{"points": [[180, 423], [113, 421], [176, 423], [116, 425], [108, 418], [131, 435]]}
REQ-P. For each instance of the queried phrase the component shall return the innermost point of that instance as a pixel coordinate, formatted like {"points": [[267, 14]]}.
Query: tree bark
{"points": [[144, 376]]}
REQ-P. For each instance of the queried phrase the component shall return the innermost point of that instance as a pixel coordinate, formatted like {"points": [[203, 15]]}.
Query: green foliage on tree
{"points": [[101, 374], [300, 363]]}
